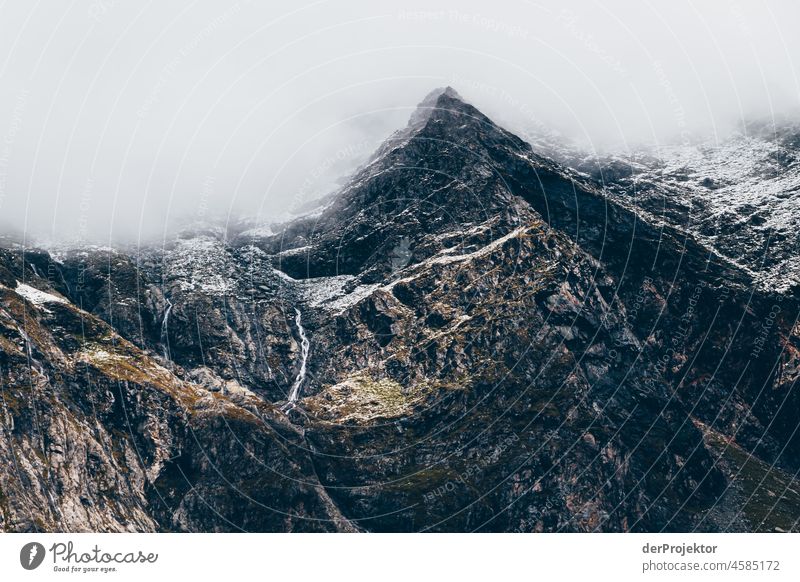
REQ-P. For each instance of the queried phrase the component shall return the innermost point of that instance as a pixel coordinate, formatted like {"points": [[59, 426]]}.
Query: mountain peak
{"points": [[432, 101], [433, 96]]}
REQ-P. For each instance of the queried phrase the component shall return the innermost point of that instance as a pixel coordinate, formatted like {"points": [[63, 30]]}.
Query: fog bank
{"points": [[119, 120]]}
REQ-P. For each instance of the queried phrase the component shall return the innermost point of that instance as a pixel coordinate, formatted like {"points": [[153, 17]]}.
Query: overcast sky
{"points": [[118, 118]]}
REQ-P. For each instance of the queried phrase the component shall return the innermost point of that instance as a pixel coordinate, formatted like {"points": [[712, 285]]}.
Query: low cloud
{"points": [[118, 121]]}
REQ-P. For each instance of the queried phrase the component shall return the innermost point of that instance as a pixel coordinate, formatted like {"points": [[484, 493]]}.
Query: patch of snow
{"points": [[202, 263], [330, 292], [100, 355], [284, 276], [321, 290], [37, 297], [258, 232], [344, 302], [62, 251], [445, 258], [295, 251]]}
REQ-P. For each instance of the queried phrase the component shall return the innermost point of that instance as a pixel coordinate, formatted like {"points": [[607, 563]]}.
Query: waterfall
{"points": [[294, 393], [165, 328]]}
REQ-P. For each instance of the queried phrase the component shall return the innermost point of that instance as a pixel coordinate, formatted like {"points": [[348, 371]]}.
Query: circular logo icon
{"points": [[31, 555]]}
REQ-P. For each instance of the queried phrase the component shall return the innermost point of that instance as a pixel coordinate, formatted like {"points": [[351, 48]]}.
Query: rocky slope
{"points": [[468, 336], [739, 195], [98, 435]]}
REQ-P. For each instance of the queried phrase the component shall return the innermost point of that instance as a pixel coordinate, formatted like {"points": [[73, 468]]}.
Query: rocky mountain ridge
{"points": [[737, 194], [485, 340]]}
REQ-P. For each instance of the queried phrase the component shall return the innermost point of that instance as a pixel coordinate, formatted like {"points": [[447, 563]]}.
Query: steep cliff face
{"points": [[469, 336], [213, 313], [733, 204], [99, 435], [495, 394]]}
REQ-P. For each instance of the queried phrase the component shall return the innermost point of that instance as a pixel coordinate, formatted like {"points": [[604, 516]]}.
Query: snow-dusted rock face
{"points": [[201, 263], [739, 195], [468, 336], [37, 297]]}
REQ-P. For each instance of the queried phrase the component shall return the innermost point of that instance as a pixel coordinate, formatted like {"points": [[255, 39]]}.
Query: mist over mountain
{"points": [[473, 333], [121, 122]]}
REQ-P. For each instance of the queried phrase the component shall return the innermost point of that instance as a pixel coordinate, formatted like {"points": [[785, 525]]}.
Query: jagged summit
{"points": [[446, 91], [447, 172], [442, 102], [432, 101], [437, 175]]}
